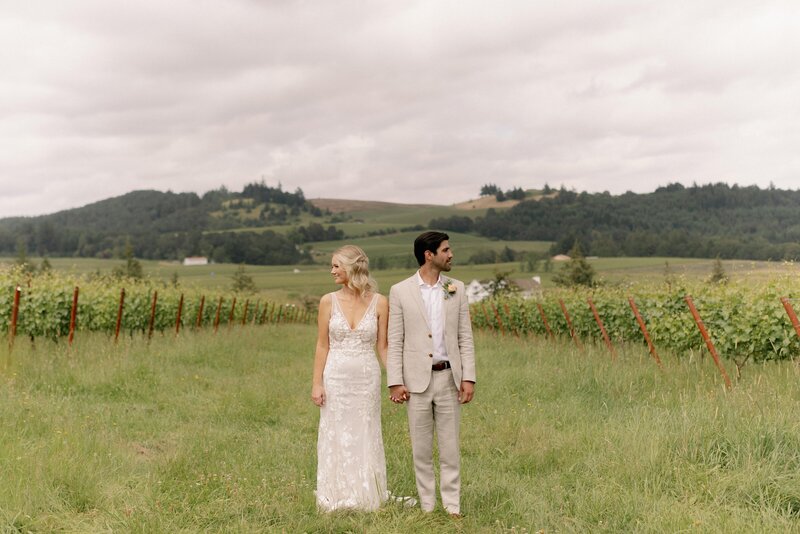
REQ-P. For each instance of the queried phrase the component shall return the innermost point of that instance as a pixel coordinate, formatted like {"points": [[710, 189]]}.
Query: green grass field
{"points": [[361, 221], [217, 433]]}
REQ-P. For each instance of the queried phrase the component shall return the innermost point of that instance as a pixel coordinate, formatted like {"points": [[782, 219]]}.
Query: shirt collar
{"points": [[422, 283]]}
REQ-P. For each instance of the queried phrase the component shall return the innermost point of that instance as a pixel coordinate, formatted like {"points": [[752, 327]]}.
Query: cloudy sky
{"points": [[412, 101]]}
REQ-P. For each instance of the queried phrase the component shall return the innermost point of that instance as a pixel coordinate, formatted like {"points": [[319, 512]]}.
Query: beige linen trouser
{"points": [[437, 407]]}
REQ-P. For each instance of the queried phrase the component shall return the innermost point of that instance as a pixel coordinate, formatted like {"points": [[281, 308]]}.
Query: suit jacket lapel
{"points": [[449, 300], [416, 294]]}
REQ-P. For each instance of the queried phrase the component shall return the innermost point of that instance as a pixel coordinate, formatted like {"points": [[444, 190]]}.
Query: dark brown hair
{"points": [[428, 241]]}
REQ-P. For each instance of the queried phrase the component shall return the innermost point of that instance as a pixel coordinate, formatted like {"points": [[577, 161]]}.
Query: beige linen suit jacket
{"points": [[410, 342]]}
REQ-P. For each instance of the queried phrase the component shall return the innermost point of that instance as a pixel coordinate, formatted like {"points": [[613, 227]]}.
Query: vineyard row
{"points": [[57, 312], [740, 324]]}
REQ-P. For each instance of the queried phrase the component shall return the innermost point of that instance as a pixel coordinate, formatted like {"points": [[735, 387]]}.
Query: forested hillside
{"points": [[698, 221], [160, 225], [701, 221]]}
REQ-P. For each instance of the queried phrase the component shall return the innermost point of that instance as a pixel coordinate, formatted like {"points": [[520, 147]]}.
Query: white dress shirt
{"points": [[433, 298]]}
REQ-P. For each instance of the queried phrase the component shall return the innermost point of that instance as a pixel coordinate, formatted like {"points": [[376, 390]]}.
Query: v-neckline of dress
{"points": [[363, 316]]}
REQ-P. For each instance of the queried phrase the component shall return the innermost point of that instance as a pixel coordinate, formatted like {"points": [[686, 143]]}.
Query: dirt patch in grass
{"points": [[339, 205], [489, 201], [484, 203]]}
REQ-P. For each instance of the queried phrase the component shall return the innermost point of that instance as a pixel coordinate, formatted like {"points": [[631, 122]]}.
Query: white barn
{"points": [[476, 291]]}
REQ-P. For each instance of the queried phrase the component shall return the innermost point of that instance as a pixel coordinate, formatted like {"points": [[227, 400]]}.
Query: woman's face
{"points": [[337, 270]]}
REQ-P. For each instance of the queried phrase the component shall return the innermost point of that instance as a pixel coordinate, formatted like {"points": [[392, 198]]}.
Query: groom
{"points": [[431, 365]]}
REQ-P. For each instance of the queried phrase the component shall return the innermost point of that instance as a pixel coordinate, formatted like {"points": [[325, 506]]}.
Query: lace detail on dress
{"points": [[351, 466]]}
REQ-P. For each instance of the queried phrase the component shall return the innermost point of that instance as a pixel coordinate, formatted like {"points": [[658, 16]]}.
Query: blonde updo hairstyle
{"points": [[356, 264]]}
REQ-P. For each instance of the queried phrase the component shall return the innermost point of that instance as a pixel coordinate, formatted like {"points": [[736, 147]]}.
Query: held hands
{"points": [[399, 394], [318, 395]]}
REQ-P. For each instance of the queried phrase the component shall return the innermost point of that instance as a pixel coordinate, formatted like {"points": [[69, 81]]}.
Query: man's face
{"points": [[443, 258]]}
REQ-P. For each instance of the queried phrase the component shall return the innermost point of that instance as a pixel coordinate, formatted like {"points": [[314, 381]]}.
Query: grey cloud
{"points": [[413, 101]]}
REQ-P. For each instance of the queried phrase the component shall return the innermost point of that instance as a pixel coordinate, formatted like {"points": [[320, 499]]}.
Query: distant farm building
{"points": [[476, 291], [195, 260], [561, 257]]}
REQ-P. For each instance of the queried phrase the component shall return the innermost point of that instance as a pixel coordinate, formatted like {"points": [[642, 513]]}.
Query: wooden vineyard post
{"points": [[280, 312], [255, 313], [602, 329], [544, 320], [508, 318], [244, 313], [264, 314], [231, 314], [119, 314], [569, 323], [643, 328], [216, 317], [178, 317], [12, 328], [499, 320], [790, 312], [709, 343], [200, 311], [489, 322], [152, 315], [73, 314]]}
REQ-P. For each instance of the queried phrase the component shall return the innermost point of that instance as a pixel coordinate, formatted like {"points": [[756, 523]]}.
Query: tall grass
{"points": [[217, 433]]}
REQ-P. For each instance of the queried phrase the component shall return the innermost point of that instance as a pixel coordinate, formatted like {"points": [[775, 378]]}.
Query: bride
{"points": [[352, 324]]}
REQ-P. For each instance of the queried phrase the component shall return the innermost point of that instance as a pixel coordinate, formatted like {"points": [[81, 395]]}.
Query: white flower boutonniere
{"points": [[449, 288]]}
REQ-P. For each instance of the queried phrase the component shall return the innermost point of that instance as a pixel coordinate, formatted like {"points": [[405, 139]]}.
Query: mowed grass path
{"points": [[217, 433]]}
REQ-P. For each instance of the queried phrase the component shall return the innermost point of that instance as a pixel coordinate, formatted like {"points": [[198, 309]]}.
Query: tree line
{"points": [[703, 221], [171, 226]]}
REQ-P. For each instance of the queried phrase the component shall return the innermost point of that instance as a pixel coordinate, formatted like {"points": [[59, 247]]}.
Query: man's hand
{"points": [[398, 394], [467, 392], [318, 395]]}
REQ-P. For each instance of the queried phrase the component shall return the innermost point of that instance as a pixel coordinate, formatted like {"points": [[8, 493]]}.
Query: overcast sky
{"points": [[411, 101]]}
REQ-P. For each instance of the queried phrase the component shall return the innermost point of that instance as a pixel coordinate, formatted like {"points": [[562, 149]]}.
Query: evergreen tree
{"points": [[132, 268], [669, 276], [718, 274], [577, 271], [22, 258], [243, 282], [489, 189], [517, 193], [507, 255]]}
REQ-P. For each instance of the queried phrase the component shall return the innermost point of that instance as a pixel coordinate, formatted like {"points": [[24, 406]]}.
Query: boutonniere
{"points": [[449, 288]]}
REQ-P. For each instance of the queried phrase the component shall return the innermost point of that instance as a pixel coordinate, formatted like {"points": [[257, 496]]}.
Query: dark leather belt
{"points": [[441, 366]]}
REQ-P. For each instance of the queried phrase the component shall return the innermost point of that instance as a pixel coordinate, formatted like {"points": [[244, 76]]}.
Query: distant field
{"points": [[365, 216], [400, 245], [295, 283]]}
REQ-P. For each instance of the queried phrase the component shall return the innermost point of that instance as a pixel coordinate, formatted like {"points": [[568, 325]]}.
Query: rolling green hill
{"points": [[260, 225], [265, 225]]}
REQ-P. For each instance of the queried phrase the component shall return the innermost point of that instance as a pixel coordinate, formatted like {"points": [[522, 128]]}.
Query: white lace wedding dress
{"points": [[351, 466]]}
